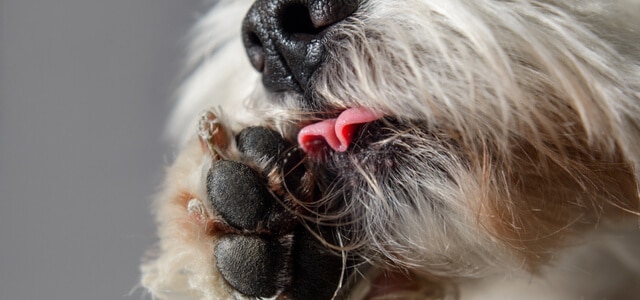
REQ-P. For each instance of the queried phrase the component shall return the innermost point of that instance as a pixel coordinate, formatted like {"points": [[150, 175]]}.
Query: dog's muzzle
{"points": [[285, 38]]}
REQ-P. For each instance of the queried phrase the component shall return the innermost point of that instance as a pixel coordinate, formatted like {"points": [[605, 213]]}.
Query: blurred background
{"points": [[85, 88]]}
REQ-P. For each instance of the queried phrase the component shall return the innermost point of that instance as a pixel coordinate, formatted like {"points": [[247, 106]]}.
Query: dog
{"points": [[405, 149]]}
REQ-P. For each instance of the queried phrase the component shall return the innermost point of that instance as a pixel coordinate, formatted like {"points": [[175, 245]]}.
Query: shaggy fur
{"points": [[509, 152]]}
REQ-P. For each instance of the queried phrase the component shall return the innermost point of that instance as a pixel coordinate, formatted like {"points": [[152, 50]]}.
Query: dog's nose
{"points": [[285, 38]]}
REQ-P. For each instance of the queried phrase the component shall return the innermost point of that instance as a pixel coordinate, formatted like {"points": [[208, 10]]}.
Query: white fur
{"points": [[552, 75]]}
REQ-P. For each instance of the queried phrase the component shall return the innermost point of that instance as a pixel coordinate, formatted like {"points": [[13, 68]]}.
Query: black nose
{"points": [[285, 38]]}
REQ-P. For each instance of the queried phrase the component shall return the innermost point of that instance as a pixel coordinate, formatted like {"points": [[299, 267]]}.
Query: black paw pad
{"points": [[315, 269], [261, 144], [265, 146], [240, 195], [251, 264]]}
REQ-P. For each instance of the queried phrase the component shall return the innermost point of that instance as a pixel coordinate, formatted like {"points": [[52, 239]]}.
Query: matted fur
{"points": [[514, 133]]}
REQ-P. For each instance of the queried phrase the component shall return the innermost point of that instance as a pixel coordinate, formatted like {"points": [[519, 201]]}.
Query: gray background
{"points": [[85, 88]]}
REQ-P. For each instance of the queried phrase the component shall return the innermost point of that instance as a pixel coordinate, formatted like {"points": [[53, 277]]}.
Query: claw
{"points": [[196, 210], [212, 134]]}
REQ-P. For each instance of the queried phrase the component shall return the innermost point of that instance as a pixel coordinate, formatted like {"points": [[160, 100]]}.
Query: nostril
{"points": [[255, 50], [296, 21], [284, 39]]}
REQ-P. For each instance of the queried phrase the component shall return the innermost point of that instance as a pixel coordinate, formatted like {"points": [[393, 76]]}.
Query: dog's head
{"points": [[449, 138], [451, 126]]}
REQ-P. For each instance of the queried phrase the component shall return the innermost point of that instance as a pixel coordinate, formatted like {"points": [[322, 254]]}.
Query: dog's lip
{"points": [[336, 133]]}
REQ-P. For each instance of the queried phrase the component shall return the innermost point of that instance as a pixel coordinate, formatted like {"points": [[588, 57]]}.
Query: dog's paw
{"points": [[263, 249]]}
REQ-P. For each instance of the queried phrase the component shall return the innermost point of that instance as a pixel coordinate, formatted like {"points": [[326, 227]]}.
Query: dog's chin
{"points": [[367, 184], [397, 172], [378, 159]]}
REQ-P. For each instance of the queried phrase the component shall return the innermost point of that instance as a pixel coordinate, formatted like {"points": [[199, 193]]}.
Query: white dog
{"points": [[405, 149]]}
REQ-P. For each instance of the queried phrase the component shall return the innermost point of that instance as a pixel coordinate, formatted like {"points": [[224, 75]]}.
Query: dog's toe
{"points": [[261, 144], [316, 270], [240, 195], [273, 153], [251, 264]]}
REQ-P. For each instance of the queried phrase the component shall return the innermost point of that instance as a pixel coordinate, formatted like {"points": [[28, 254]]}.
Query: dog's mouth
{"points": [[335, 133]]}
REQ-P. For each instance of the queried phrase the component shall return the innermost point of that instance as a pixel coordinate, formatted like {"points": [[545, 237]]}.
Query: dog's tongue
{"points": [[337, 133]]}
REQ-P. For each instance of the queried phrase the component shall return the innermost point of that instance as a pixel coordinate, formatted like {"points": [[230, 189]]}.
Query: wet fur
{"points": [[511, 146]]}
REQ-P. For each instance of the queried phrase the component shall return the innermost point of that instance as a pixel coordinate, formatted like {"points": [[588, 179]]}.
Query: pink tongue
{"points": [[337, 133]]}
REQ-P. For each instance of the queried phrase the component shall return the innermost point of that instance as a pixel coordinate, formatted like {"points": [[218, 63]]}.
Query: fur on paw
{"points": [[231, 226]]}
